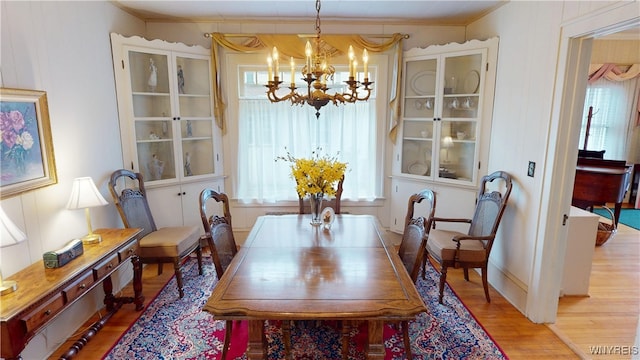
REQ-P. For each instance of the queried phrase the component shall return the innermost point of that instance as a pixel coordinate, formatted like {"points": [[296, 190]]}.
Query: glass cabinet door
{"points": [[419, 109], [152, 114], [196, 126], [458, 125]]}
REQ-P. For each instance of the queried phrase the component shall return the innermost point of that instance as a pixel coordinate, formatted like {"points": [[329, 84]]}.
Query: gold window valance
{"points": [[292, 45]]}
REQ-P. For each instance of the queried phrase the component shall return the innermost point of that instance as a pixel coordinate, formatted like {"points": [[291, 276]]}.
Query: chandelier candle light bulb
{"points": [[355, 69], [276, 64], [352, 69], [308, 52], [365, 60], [293, 73]]}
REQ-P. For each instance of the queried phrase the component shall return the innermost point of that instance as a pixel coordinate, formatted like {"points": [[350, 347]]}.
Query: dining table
{"points": [[288, 269]]}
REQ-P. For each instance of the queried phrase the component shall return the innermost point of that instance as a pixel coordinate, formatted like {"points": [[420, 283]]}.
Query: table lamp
{"points": [[85, 195], [10, 235], [447, 142]]}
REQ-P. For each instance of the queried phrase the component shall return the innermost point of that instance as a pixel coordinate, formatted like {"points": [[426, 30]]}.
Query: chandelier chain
{"points": [[318, 19]]}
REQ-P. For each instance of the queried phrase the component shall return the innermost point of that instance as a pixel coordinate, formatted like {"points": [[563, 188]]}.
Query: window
{"points": [[267, 130], [611, 101]]}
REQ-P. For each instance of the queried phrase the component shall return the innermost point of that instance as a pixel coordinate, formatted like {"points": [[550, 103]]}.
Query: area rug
{"points": [[174, 328], [629, 217]]}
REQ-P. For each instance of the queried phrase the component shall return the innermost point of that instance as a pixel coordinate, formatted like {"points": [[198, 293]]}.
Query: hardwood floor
{"points": [[608, 317]]}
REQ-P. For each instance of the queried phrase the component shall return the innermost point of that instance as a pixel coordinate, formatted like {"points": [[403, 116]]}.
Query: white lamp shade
{"points": [[10, 233], [84, 194], [447, 142]]}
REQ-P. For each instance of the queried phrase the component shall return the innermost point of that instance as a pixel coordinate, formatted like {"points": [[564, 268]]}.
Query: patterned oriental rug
{"points": [[174, 328]]}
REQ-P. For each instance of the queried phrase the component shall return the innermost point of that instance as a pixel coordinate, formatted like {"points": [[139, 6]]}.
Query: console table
{"points": [[44, 293]]}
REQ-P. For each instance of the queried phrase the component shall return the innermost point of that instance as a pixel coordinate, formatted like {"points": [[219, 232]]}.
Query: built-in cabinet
{"points": [[447, 103], [166, 123]]}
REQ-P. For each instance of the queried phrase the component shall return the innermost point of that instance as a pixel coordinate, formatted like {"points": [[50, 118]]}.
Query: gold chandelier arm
{"points": [[293, 96], [353, 96]]}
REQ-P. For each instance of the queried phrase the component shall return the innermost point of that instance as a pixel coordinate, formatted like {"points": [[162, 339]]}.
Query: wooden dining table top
{"points": [[289, 269]]}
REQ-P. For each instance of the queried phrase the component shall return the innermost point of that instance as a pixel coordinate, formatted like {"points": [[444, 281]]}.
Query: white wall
{"points": [[529, 34], [527, 260], [64, 49]]}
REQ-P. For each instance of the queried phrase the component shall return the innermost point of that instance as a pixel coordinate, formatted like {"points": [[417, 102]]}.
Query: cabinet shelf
{"points": [[142, 141], [460, 95], [206, 96], [197, 138], [459, 119], [418, 138], [420, 97], [419, 119], [141, 93]]}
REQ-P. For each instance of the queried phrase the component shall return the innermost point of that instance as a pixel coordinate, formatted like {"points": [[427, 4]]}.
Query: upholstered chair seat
{"points": [[441, 246], [168, 241]]}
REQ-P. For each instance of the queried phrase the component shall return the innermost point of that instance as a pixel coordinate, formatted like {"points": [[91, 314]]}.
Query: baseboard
{"points": [[512, 289]]}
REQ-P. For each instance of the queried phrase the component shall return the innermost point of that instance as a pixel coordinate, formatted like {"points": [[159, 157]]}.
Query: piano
{"points": [[600, 181]]}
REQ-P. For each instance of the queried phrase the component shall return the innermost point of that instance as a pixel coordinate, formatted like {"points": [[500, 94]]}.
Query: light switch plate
{"points": [[531, 169]]}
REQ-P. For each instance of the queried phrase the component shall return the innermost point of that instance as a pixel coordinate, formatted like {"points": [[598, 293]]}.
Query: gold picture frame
{"points": [[26, 161]]}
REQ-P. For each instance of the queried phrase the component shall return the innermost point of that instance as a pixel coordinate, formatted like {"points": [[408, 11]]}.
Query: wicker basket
{"points": [[606, 231]]}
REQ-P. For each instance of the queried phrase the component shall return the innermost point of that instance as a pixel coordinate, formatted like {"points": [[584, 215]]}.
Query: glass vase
{"points": [[315, 201]]}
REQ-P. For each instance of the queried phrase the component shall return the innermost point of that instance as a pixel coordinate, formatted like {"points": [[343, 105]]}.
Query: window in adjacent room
{"points": [[611, 101]]}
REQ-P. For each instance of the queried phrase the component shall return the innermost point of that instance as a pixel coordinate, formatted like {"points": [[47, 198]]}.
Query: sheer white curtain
{"points": [[612, 118], [268, 130]]}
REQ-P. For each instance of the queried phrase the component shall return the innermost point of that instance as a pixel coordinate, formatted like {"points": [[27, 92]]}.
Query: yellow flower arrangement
{"points": [[319, 174]]}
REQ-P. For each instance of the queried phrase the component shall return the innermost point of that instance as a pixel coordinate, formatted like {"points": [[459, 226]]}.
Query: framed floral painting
{"points": [[26, 161]]}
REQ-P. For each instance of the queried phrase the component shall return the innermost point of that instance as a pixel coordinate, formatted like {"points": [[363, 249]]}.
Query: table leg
{"points": [[376, 342], [109, 299], [346, 331], [138, 298], [616, 213], [256, 348], [286, 334]]}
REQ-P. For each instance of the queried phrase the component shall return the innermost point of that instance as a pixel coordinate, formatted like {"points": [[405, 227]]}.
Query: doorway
{"points": [[567, 118]]}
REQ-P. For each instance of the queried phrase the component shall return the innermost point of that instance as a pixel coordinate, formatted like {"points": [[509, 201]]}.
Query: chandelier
{"points": [[316, 72]]}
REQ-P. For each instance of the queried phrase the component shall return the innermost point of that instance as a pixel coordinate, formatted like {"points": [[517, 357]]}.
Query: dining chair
{"points": [[305, 206], [222, 244], [412, 246], [471, 249], [155, 246]]}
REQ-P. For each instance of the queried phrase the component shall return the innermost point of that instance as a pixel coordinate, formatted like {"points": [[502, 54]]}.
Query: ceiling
{"points": [[451, 12]]}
